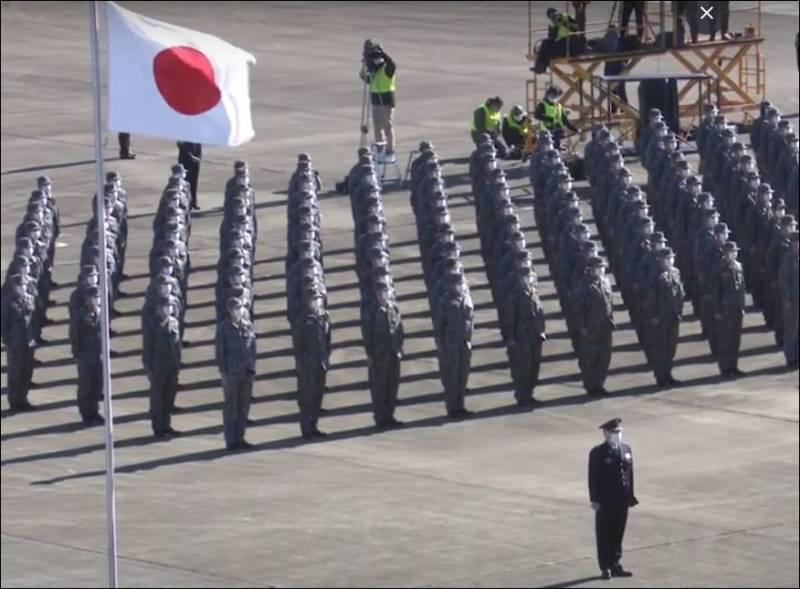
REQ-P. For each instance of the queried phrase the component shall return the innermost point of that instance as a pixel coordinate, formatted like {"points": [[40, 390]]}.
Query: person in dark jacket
{"points": [[189, 156], [84, 335], [236, 358], [161, 356], [611, 496]]}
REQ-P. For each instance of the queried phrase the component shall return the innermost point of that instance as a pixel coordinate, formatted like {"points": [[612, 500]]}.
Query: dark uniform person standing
{"points": [[663, 306], [593, 309], [84, 335], [312, 342], [19, 336], [383, 341], [452, 330], [189, 156], [611, 495], [236, 358], [728, 303], [161, 356]]}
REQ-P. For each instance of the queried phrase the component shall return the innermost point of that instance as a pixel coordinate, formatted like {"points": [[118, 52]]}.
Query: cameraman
{"points": [[380, 75]]}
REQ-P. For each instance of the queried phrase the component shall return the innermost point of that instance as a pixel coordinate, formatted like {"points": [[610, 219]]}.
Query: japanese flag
{"points": [[173, 82]]}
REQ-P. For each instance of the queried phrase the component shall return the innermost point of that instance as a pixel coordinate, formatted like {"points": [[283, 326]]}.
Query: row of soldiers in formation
{"points": [[578, 270], [235, 340], [85, 321], [508, 268], [776, 146], [307, 295], [640, 257], [713, 275], [452, 310], [165, 300], [381, 322], [26, 290], [758, 219]]}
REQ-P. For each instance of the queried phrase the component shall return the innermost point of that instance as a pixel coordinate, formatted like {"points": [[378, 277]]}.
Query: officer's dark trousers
{"points": [[384, 380], [20, 372], [728, 336], [238, 390], [454, 363], [90, 387], [124, 144], [594, 357], [609, 524], [310, 389], [163, 387], [525, 358]]}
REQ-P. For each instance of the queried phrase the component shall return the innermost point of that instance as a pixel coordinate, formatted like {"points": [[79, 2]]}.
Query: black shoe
{"points": [[249, 421], [41, 341], [127, 155], [663, 383], [738, 372], [187, 343], [673, 381], [459, 414], [113, 354], [93, 420], [195, 208], [245, 445], [618, 571], [597, 393], [317, 433], [526, 403], [37, 362], [54, 284], [392, 422], [605, 574], [112, 332]]}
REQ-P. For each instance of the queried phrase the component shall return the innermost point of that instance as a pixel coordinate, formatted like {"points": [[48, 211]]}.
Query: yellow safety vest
{"points": [[492, 119], [562, 28], [380, 83], [523, 129], [554, 114]]}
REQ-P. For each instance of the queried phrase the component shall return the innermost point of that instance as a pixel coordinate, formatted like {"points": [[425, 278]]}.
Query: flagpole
{"points": [[111, 516]]}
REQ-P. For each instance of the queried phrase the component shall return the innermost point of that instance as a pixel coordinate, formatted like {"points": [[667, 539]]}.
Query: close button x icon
{"points": [[706, 12]]}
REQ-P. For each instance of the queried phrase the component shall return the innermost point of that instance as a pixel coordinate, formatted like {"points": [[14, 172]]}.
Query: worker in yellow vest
{"points": [[516, 128], [487, 119], [381, 77], [551, 115], [561, 25]]}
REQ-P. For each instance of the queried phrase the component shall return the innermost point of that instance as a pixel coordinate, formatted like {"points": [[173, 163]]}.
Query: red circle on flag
{"points": [[185, 78]]}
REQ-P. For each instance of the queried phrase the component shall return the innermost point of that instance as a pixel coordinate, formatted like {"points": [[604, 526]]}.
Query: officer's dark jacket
{"points": [[611, 476], [236, 347]]}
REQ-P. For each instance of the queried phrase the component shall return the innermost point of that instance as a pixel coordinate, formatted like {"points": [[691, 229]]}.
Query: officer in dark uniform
{"points": [[611, 496], [663, 306], [19, 336], [383, 340], [161, 356], [312, 340], [595, 320], [189, 156], [728, 302], [525, 327], [235, 344], [452, 330], [84, 335]]}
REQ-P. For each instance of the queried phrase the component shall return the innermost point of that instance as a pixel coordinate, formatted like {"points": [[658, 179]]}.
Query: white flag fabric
{"points": [[169, 81]]}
